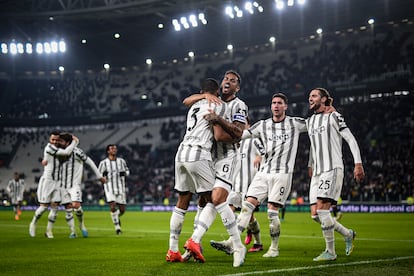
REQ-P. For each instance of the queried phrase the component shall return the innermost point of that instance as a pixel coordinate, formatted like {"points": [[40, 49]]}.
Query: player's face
{"points": [[54, 140], [278, 107], [230, 84], [315, 100], [62, 143], [112, 150]]}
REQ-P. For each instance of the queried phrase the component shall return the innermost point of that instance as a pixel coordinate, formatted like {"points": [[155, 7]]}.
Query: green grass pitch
{"points": [[384, 246]]}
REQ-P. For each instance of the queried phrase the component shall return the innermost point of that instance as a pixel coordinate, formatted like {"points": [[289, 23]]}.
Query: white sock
{"points": [[245, 215], [229, 222], [51, 218], [38, 213], [254, 227], [327, 225], [274, 227], [69, 220], [79, 215], [199, 210], [176, 225], [206, 218], [115, 219], [341, 229]]}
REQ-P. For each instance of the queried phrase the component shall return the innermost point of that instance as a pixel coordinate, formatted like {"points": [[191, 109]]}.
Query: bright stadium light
{"points": [[4, 48], [301, 2], [191, 54], [117, 35], [371, 21], [106, 66], [47, 48], [229, 11], [13, 48], [29, 48], [272, 39], [229, 47], [54, 46], [148, 61], [280, 5], [20, 48], [39, 48], [61, 69], [62, 46], [319, 31]]}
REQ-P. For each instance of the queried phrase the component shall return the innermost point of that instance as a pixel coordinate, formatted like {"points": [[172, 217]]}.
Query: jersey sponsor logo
{"points": [[317, 130], [196, 138], [281, 137]]}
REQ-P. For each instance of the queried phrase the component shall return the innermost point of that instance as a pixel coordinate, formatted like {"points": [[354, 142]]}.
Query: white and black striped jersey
{"points": [[15, 189], [198, 139], [54, 156], [280, 140], [326, 132], [248, 150], [236, 111], [71, 171], [115, 172]]}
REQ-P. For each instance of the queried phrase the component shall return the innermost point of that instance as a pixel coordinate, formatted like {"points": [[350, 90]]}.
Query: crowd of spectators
{"points": [[383, 126]]}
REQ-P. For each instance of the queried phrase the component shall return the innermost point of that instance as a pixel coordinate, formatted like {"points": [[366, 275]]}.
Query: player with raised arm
{"points": [[194, 169], [48, 190], [326, 132], [70, 184], [225, 155]]}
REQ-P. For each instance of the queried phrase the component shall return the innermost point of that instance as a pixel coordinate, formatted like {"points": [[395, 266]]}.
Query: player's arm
{"points": [[92, 165], [190, 100], [310, 163], [234, 129], [126, 169], [359, 173]]}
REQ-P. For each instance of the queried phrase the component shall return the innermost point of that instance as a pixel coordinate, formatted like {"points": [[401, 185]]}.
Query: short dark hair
{"points": [[55, 132], [281, 95], [209, 85], [108, 146], [231, 71], [65, 136]]}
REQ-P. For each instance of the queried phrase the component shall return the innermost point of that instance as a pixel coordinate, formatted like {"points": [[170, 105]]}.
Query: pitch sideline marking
{"points": [[318, 266]]}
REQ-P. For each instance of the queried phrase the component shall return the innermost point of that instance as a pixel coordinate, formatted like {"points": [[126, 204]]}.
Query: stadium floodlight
{"points": [[229, 11], [280, 5], [47, 48], [29, 48], [272, 39], [117, 35], [191, 54], [229, 47], [193, 20], [39, 48], [160, 26], [61, 69], [176, 25], [62, 46], [290, 3], [148, 61], [54, 46], [106, 66], [13, 48], [83, 41], [248, 6], [20, 48], [371, 21], [4, 48], [319, 31], [301, 2], [202, 18]]}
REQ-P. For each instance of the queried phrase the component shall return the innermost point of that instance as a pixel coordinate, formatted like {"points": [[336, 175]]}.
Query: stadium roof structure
{"points": [[136, 21]]}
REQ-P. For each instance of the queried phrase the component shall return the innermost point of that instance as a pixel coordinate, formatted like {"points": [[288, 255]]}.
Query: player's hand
{"points": [[102, 180], [257, 161], [44, 162], [212, 99], [212, 117], [359, 173]]}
